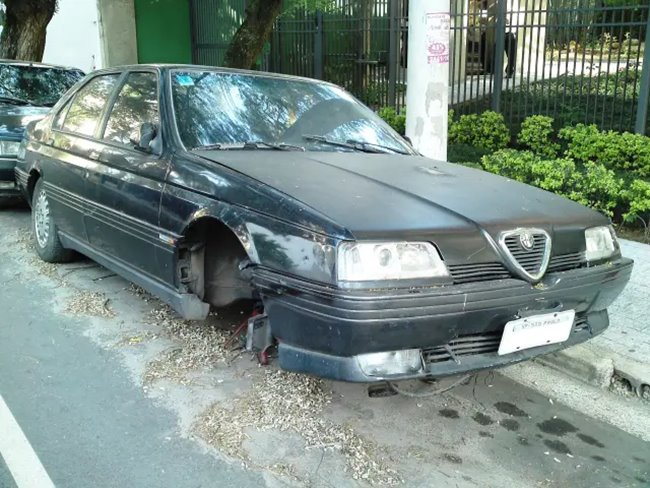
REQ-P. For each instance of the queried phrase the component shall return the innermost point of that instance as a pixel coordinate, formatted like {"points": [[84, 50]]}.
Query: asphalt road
{"points": [[85, 414]]}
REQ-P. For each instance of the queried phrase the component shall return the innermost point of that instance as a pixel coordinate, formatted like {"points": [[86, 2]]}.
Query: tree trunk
{"points": [[249, 39], [23, 35]]}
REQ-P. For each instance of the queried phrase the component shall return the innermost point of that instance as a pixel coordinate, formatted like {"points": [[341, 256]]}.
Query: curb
{"points": [[598, 366]]}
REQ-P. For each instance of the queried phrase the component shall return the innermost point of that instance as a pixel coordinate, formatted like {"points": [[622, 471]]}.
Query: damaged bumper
{"points": [[322, 330]]}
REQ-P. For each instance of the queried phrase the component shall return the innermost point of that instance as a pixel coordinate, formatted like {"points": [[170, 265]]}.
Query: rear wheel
{"points": [[46, 237]]}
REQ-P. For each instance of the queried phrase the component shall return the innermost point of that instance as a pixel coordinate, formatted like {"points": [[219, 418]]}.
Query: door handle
{"points": [[94, 155]]}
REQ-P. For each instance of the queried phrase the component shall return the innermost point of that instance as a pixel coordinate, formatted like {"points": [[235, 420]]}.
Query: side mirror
{"points": [[144, 137], [408, 139]]}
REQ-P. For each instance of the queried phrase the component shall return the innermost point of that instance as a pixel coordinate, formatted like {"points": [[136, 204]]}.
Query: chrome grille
{"points": [[467, 345], [566, 262], [470, 273], [476, 344], [531, 260]]}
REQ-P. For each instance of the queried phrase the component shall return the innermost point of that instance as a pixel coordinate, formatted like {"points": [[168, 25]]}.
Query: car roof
{"points": [[18, 62], [216, 69]]}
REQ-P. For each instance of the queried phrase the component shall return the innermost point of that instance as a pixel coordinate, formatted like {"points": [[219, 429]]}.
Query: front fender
{"points": [[269, 242]]}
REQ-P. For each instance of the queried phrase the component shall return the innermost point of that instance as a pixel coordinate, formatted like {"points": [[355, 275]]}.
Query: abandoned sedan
{"points": [[365, 261], [27, 92]]}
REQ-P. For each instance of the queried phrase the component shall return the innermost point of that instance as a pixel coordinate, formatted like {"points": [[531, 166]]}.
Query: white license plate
{"points": [[538, 330]]}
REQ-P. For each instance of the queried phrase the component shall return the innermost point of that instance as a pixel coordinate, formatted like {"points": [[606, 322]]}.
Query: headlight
{"points": [[391, 363], [9, 148], [601, 243], [380, 261]]}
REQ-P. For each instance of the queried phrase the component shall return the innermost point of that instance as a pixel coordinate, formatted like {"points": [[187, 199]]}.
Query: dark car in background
{"points": [[366, 261], [27, 92]]}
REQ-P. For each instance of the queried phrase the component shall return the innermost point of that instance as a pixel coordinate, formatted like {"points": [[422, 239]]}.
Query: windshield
{"points": [[218, 110], [35, 85]]}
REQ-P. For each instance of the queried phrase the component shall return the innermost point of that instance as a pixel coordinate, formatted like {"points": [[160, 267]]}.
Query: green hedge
{"points": [[607, 99], [590, 184], [606, 170], [624, 152], [486, 131], [395, 120], [537, 135]]}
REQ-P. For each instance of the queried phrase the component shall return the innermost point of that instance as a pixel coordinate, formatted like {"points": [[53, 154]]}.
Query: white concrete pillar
{"points": [[427, 93], [117, 32]]}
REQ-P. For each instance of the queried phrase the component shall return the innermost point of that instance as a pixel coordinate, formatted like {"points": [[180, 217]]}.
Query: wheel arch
{"points": [[34, 176], [212, 257]]}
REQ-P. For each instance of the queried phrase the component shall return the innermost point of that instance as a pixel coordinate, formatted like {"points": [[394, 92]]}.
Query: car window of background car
{"points": [[88, 104], [36, 85], [136, 104], [218, 108]]}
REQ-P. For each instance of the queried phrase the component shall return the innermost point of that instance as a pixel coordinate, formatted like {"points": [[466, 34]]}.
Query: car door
{"points": [[67, 156], [126, 183]]}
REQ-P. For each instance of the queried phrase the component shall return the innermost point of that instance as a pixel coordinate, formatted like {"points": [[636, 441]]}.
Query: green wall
{"points": [[163, 31]]}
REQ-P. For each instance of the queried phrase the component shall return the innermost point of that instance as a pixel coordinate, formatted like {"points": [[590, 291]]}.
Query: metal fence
{"points": [[571, 59], [574, 60], [213, 25], [357, 44]]}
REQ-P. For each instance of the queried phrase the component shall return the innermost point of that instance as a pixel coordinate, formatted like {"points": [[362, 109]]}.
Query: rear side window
{"points": [[136, 104], [89, 102]]}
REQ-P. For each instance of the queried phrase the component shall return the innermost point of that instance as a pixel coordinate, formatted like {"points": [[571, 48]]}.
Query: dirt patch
{"points": [[24, 240], [90, 303], [285, 401], [141, 293], [198, 345]]}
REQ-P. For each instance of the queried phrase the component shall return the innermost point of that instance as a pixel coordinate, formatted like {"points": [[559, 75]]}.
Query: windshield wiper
{"points": [[362, 146], [249, 145], [15, 101], [279, 146], [379, 146], [207, 147]]}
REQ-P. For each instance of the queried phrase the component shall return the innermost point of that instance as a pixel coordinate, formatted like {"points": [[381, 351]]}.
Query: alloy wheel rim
{"points": [[42, 220]]}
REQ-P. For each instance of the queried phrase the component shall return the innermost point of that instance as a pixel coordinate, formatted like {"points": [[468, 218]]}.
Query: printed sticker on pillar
{"points": [[437, 37]]}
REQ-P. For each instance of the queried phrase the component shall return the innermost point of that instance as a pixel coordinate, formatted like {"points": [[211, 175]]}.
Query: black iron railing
{"points": [[574, 60]]}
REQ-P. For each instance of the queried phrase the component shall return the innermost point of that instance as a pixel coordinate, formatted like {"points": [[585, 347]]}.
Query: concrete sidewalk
{"points": [[623, 350]]}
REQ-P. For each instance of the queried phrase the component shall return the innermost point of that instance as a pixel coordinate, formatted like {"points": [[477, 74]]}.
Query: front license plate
{"points": [[538, 330]]}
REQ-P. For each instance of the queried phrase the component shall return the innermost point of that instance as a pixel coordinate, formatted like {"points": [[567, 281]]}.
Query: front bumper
{"points": [[8, 187], [321, 329]]}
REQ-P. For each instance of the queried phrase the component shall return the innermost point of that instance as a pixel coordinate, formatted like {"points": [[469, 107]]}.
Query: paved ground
{"points": [[109, 397], [629, 332]]}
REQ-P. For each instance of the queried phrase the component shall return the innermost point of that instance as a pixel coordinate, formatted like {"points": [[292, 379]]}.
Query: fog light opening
{"points": [[391, 363]]}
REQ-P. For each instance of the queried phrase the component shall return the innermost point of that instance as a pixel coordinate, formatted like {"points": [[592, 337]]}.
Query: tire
{"points": [[46, 237]]}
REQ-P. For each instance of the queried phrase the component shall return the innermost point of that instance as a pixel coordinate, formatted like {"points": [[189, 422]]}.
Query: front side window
{"points": [[35, 85], [89, 102], [226, 108], [136, 104]]}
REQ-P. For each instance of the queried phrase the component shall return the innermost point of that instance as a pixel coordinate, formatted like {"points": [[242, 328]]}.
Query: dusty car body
{"points": [[369, 262], [27, 92]]}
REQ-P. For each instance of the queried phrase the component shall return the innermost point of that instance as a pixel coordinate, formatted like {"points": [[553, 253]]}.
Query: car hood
{"points": [[381, 195], [14, 119]]}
